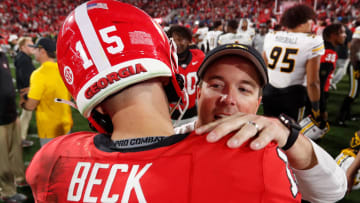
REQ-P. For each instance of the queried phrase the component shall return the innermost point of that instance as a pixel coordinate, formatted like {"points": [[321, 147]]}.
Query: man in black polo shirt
{"points": [[24, 68], [11, 160]]}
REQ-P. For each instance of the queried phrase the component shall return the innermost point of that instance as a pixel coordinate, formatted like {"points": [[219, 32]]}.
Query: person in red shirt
{"points": [[117, 63]]}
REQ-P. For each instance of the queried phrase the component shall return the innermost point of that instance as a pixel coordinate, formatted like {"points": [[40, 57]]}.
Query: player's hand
{"points": [[315, 114], [357, 74], [266, 129]]}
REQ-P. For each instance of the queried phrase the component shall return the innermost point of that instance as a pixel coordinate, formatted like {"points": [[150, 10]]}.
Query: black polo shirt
{"points": [[7, 93], [24, 68]]}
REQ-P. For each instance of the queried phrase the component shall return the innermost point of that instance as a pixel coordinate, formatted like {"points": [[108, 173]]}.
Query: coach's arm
{"points": [[320, 179]]}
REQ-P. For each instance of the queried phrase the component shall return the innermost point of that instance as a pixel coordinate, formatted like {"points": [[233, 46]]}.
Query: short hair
{"points": [[51, 54], [233, 24], [21, 42], [297, 15], [334, 28], [180, 30], [217, 23]]}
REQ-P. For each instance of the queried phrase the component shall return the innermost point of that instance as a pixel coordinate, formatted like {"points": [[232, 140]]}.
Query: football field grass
{"points": [[335, 140]]}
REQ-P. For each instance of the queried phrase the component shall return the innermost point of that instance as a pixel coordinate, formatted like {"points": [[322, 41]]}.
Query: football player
{"points": [[212, 37], [333, 36], [349, 160], [115, 60], [189, 62], [354, 70], [293, 61], [232, 36]]}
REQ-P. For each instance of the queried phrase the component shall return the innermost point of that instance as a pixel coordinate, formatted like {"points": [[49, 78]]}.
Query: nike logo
{"points": [[194, 63]]}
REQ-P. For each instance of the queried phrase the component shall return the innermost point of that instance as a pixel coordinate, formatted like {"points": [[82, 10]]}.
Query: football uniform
{"points": [[84, 167], [347, 157], [211, 39], [354, 73], [327, 67], [239, 38], [287, 54], [188, 69], [325, 182]]}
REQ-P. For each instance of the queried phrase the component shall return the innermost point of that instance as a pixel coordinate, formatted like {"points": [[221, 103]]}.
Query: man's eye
{"points": [[241, 89], [215, 86]]}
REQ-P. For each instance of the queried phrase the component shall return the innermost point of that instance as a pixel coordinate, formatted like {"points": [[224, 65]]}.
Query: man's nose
{"points": [[228, 98]]}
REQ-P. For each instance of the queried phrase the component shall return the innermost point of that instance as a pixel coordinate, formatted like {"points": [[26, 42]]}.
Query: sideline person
{"points": [[52, 119], [24, 67]]}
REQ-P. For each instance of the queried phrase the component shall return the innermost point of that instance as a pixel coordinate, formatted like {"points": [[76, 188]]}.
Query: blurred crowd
{"points": [[33, 17]]}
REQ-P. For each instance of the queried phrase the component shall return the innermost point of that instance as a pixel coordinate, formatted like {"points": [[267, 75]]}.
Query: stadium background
{"points": [[22, 17]]}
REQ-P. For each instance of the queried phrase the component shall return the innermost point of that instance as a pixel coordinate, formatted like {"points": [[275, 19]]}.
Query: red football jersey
{"points": [[82, 167], [189, 73], [330, 57]]}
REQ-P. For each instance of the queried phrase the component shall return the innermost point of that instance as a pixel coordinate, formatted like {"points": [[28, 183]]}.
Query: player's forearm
{"points": [[301, 155], [356, 164], [313, 90]]}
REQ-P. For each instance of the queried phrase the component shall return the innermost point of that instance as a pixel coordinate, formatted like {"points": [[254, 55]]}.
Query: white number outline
{"points": [[87, 62], [293, 185], [113, 39]]}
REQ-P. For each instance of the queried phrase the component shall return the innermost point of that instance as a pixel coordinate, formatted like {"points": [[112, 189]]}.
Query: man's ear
{"points": [[100, 109]]}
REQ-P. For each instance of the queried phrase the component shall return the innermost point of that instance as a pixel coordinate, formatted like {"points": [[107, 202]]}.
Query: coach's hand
{"points": [[247, 126]]}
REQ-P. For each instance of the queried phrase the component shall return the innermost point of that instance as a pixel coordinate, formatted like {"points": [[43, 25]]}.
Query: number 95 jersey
{"points": [[287, 54]]}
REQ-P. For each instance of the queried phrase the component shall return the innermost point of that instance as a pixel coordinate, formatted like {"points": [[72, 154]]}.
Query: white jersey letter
{"points": [[80, 181], [105, 196], [133, 182]]}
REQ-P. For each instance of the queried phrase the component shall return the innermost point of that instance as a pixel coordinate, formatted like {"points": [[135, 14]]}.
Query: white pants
{"points": [[341, 66], [25, 119]]}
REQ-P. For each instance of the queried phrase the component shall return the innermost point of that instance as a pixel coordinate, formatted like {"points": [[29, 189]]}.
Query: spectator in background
{"points": [[258, 41], [13, 45], [24, 68], [11, 160], [52, 119], [189, 62], [342, 50]]}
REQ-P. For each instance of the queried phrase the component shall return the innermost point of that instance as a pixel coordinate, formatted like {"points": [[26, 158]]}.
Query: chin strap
{"points": [[181, 109], [72, 104]]}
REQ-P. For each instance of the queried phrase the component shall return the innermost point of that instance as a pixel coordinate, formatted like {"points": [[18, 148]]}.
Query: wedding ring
{"points": [[255, 125]]}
